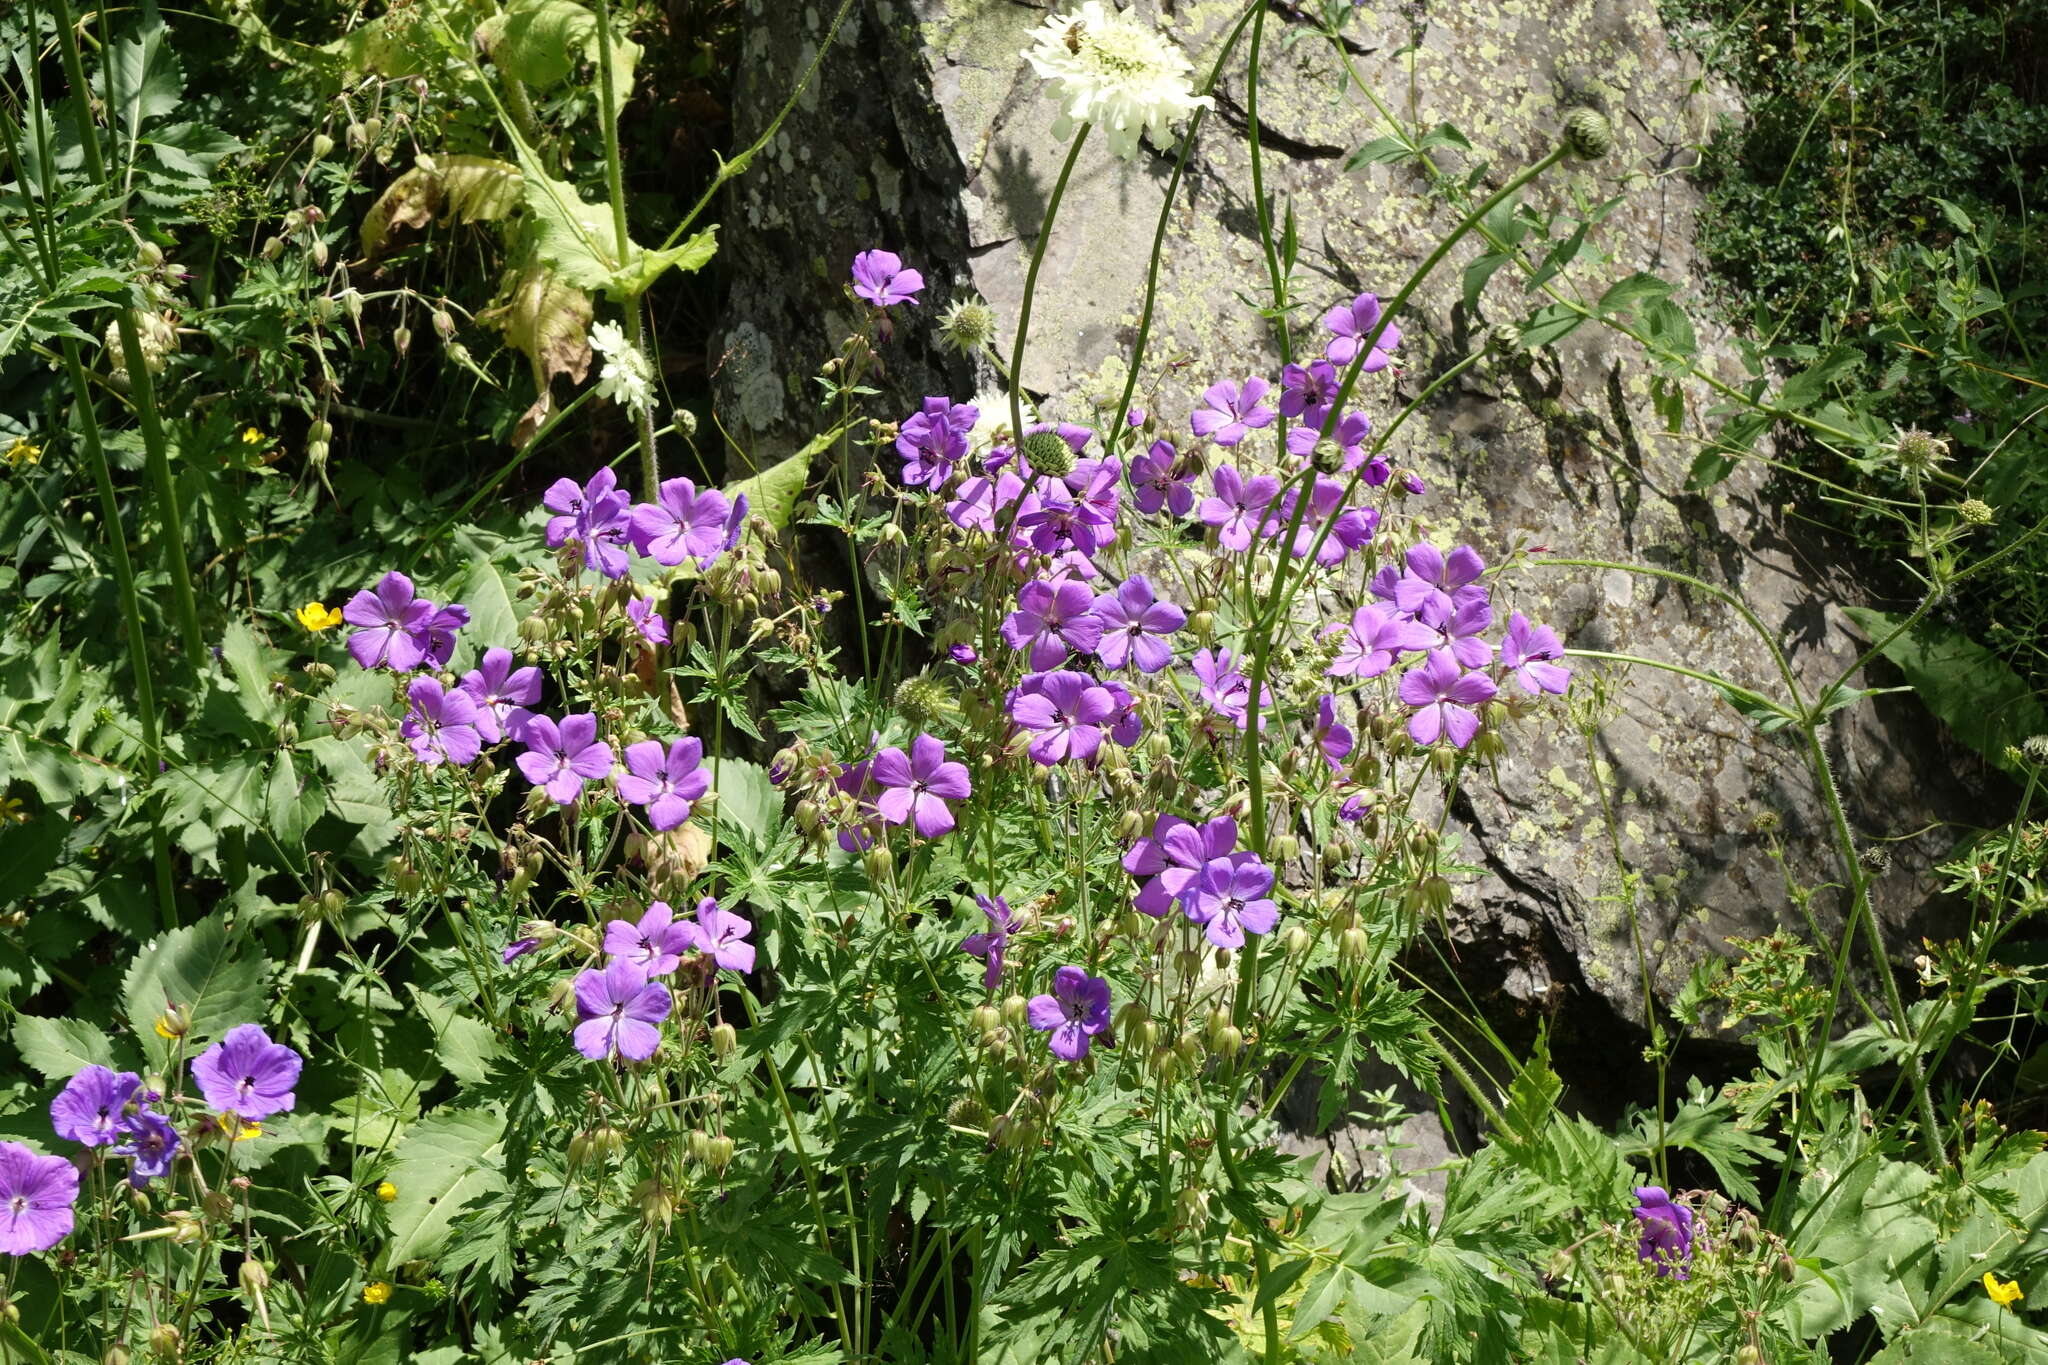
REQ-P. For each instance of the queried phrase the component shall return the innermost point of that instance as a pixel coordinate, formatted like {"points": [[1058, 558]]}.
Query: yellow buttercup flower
{"points": [[318, 616], [2003, 1293], [251, 436], [23, 453], [376, 1292], [386, 1191]]}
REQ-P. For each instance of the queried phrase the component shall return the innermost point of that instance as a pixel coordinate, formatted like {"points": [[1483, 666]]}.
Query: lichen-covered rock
{"points": [[926, 134]]}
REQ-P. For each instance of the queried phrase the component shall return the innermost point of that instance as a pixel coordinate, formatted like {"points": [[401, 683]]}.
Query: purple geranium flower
{"points": [[36, 1195], [441, 628], [1331, 736], [1460, 632], [1351, 324], [1075, 1012], [619, 1009], [655, 943], [1349, 437], [993, 945], [89, 1108], [1156, 481], [1236, 505], [248, 1075], [441, 727], [1351, 527], [1133, 624], [721, 935], [1172, 858], [1232, 900], [1230, 412], [668, 782], [1446, 695], [640, 611], [1527, 652], [916, 788], [1306, 392], [683, 523], [1052, 619], [392, 625], [1227, 691], [1666, 1232], [1125, 725], [1065, 713], [151, 1142], [1437, 582], [879, 277], [501, 693], [516, 949], [979, 500], [933, 440], [1375, 637], [595, 516], [563, 757]]}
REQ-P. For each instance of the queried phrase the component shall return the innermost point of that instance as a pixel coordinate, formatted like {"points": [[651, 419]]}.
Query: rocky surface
{"points": [[926, 134]]}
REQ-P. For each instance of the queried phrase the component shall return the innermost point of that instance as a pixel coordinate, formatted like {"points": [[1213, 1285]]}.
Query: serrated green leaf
{"points": [[746, 797], [61, 1048], [201, 969], [772, 493], [448, 1159]]}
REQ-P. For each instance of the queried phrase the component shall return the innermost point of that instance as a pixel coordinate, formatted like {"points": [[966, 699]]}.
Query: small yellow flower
{"points": [[2003, 1294], [318, 616], [244, 1130], [386, 1191], [251, 436], [23, 453], [11, 812], [376, 1292]]}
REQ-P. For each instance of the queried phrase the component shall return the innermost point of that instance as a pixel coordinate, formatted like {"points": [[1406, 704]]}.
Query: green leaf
{"points": [[580, 241], [447, 1160], [292, 799], [746, 797], [772, 493], [61, 1048], [1807, 387], [1550, 324], [1987, 705], [1637, 288], [143, 79], [1377, 152], [198, 969], [251, 662], [539, 42]]}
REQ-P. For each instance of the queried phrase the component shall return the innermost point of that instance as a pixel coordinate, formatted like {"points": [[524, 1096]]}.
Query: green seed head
{"points": [[1048, 453], [1588, 136]]}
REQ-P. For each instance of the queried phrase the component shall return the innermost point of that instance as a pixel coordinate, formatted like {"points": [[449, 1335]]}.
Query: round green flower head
{"points": [[1588, 135], [968, 326], [1048, 453]]}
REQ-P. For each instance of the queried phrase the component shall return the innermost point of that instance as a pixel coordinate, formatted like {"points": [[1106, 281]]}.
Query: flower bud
{"points": [[164, 1340], [1352, 946], [1296, 940], [1229, 1041], [255, 1279], [878, 862], [1285, 848], [1786, 1268], [1748, 1354], [1587, 134], [322, 145], [985, 1019], [724, 1038], [117, 1354], [1016, 1010], [444, 323], [657, 1205], [318, 251], [718, 1153], [273, 247], [1189, 1047]]}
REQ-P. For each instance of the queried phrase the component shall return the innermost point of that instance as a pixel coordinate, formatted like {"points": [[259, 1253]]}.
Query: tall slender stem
{"points": [[615, 187], [1052, 208]]}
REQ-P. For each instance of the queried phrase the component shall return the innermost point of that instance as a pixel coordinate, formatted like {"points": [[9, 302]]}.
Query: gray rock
{"points": [[927, 134]]}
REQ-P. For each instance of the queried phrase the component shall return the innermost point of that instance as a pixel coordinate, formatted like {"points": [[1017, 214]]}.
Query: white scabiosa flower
{"points": [[993, 421], [626, 379], [1115, 73]]}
